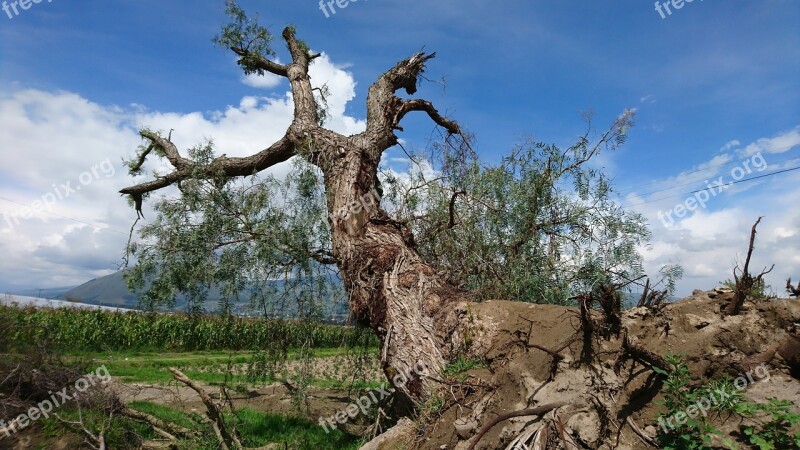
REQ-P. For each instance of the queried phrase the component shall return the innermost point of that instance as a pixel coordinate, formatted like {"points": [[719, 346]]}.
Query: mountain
{"points": [[109, 290], [112, 291], [24, 302], [49, 293]]}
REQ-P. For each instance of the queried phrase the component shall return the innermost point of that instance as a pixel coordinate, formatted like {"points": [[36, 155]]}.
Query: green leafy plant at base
{"points": [[693, 434], [696, 434], [462, 365], [774, 434]]}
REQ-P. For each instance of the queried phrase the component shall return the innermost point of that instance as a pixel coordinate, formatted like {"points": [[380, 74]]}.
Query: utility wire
{"points": [[715, 187], [698, 180], [94, 225], [630, 188]]}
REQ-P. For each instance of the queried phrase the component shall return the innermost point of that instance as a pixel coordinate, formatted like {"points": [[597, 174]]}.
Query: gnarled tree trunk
{"points": [[534, 352], [391, 289]]}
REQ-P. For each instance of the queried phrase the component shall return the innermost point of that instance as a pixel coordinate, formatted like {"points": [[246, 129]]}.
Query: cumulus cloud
{"points": [[778, 144], [266, 81], [710, 241], [61, 219]]}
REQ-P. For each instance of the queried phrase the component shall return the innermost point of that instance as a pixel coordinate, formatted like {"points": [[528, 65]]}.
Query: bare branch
{"points": [[746, 282], [385, 109], [752, 246], [166, 146], [225, 166], [452, 208], [227, 439], [425, 106], [156, 423], [259, 62], [541, 410], [793, 291]]}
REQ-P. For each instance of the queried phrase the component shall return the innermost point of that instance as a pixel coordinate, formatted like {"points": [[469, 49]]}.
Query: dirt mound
{"points": [[599, 389]]}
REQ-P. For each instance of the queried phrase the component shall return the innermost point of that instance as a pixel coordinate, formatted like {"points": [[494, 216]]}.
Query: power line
{"points": [[715, 187], [732, 162], [65, 217], [696, 181]]}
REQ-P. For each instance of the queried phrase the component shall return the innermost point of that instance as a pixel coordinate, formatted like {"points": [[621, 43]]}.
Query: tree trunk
{"points": [[391, 289], [421, 320]]}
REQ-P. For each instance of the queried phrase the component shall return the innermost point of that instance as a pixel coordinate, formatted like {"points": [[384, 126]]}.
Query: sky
{"points": [[715, 86]]}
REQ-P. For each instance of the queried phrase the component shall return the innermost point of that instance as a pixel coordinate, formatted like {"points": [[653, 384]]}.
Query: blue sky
{"points": [[713, 84]]}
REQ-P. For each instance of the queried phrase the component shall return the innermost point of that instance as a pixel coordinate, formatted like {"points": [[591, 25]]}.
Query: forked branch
{"points": [[746, 281], [793, 291]]}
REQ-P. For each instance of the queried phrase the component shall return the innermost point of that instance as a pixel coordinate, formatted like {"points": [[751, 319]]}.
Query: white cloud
{"points": [[266, 81], [729, 145], [51, 138], [778, 144], [709, 242]]}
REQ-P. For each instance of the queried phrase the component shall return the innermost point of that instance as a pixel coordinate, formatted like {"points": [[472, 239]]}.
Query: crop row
{"points": [[97, 330]]}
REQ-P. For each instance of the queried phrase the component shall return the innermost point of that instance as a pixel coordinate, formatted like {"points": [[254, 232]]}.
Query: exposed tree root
{"points": [[538, 411]]}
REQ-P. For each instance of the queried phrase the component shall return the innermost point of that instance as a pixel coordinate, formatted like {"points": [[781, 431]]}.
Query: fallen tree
{"points": [[596, 361]]}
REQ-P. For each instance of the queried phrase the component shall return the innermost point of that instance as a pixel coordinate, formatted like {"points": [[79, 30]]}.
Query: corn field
{"points": [[75, 329]]}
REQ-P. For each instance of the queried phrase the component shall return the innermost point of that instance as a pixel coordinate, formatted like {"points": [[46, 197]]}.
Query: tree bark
{"points": [[391, 288]]}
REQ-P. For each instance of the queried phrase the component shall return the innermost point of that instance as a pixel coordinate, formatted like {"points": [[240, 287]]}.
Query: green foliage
{"points": [[257, 237], [256, 428], [461, 365], [678, 396], [97, 330], [540, 226], [770, 434], [759, 291], [246, 34], [776, 433], [670, 274]]}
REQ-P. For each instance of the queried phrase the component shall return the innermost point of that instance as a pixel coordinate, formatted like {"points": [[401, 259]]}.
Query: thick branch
{"points": [[541, 410], [385, 109], [751, 247], [226, 166], [262, 63], [155, 422], [425, 106], [212, 410], [166, 146], [405, 74]]}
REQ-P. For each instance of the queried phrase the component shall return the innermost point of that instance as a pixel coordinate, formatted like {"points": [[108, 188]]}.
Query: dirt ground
{"points": [[607, 393], [535, 355]]}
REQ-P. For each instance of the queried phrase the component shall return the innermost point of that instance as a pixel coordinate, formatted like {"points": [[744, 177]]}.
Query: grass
{"points": [[259, 429], [256, 428], [461, 365], [121, 432], [206, 366]]}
